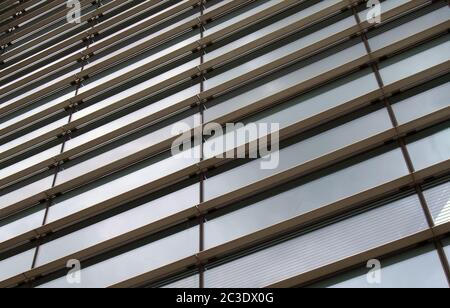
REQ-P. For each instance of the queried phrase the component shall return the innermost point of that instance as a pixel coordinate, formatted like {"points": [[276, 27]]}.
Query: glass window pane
{"points": [[105, 157], [26, 191], [282, 52], [38, 107], [240, 15], [34, 134], [27, 221], [213, 5], [308, 40], [446, 244], [127, 180], [192, 282], [151, 32], [30, 161], [134, 89], [132, 117], [135, 262], [301, 152], [16, 265], [321, 247], [129, 45], [119, 224], [438, 200], [40, 88], [307, 197], [415, 61], [430, 150], [385, 6], [419, 268], [423, 103], [287, 80], [410, 28], [132, 65]]}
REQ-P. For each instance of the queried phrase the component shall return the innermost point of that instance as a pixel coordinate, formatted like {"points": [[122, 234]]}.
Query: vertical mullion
{"points": [[402, 144], [201, 268], [65, 139]]}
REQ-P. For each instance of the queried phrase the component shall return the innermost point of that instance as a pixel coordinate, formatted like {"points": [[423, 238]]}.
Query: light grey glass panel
{"points": [[423, 103], [127, 149], [16, 265], [26, 191], [91, 196], [446, 244], [305, 198], [135, 65], [216, 5], [135, 262], [308, 40], [33, 134], [41, 87], [321, 247], [299, 153], [68, 49], [140, 41], [410, 29], [141, 21], [119, 224], [30, 161], [132, 117], [419, 268], [288, 80], [430, 150], [305, 106], [280, 52], [426, 56], [36, 38], [9, 230], [438, 200], [75, 29], [40, 69], [243, 15], [191, 282], [385, 6], [135, 89], [51, 102]]}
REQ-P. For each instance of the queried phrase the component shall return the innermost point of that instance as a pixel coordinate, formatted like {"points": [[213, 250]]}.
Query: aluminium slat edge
{"points": [[235, 196], [241, 243], [154, 117], [60, 30], [20, 8], [19, 206], [118, 105], [124, 55], [36, 26], [42, 73], [89, 33]]}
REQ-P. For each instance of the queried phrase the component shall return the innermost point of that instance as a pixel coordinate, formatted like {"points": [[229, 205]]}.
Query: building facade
{"points": [[114, 113]]}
